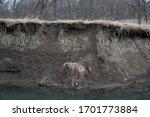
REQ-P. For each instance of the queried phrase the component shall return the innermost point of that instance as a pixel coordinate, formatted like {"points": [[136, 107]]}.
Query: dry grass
{"points": [[115, 26], [105, 22]]}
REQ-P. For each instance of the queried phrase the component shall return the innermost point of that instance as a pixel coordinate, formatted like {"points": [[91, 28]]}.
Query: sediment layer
{"points": [[74, 54]]}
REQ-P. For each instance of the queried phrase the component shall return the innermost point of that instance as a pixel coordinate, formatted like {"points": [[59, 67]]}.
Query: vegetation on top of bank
{"points": [[116, 28]]}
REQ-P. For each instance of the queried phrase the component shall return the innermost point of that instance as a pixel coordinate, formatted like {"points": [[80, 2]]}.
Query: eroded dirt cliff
{"points": [[75, 54]]}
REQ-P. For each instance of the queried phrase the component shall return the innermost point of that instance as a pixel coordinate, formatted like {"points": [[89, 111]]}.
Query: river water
{"points": [[21, 93]]}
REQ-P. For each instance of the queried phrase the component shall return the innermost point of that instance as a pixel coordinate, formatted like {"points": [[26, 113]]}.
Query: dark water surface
{"points": [[21, 93]]}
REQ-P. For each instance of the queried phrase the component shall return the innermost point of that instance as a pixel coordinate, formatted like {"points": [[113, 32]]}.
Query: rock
{"points": [[75, 74], [9, 66]]}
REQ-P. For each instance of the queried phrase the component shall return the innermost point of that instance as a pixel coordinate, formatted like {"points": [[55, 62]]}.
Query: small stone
{"points": [[125, 79]]}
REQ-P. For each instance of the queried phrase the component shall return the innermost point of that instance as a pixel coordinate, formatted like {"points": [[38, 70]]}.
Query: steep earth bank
{"points": [[73, 54]]}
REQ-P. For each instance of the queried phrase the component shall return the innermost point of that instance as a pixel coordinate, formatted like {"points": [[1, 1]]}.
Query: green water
{"points": [[20, 93]]}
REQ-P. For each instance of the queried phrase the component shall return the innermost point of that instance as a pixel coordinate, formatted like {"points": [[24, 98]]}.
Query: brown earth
{"points": [[73, 54]]}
